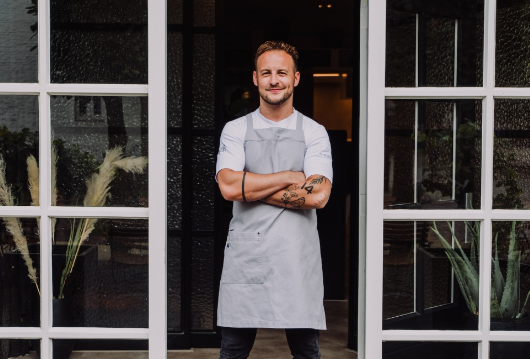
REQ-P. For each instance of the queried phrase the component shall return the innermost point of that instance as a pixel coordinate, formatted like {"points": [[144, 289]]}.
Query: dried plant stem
{"points": [[98, 187], [54, 185], [13, 225], [33, 183]]}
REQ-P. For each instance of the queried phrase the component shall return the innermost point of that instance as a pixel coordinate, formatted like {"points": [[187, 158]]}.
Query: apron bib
{"points": [[272, 272]]}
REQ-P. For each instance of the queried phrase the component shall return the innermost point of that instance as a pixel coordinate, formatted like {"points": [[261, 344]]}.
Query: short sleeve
{"points": [[231, 148], [318, 155]]}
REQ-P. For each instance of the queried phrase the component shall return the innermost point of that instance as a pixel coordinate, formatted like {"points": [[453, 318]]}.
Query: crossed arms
{"points": [[285, 189]]}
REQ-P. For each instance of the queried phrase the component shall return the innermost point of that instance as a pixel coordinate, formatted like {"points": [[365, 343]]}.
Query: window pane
{"points": [[85, 129], [203, 81], [20, 274], [431, 350], [174, 79], [421, 289], [19, 143], [14, 348], [511, 154], [103, 282], [439, 43], [98, 41], [203, 187], [502, 350], [511, 50], [510, 276], [202, 283], [174, 284], [101, 348], [204, 13], [400, 49], [175, 12], [18, 42], [439, 168]]}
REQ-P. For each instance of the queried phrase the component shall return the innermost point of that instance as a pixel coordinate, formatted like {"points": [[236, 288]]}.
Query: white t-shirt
{"points": [[317, 159]]}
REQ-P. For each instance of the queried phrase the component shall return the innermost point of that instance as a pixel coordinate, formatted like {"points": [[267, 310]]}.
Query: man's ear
{"points": [[255, 78], [296, 78]]}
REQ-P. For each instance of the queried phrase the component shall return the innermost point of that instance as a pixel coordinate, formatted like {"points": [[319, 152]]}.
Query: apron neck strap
{"points": [[299, 121], [250, 124]]}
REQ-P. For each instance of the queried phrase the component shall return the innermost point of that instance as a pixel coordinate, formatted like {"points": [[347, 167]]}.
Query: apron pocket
{"points": [[242, 263]]}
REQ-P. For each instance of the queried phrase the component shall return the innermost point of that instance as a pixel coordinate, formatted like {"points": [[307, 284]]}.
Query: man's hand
{"points": [[308, 194], [257, 186]]}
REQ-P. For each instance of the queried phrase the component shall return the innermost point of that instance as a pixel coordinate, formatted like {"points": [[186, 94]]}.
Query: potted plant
{"points": [[98, 187], [505, 306]]}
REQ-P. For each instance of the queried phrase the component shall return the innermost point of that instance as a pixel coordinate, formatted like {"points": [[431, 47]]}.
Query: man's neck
{"points": [[276, 113]]}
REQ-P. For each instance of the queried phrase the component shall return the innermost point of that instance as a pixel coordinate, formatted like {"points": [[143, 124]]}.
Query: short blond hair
{"points": [[276, 46]]}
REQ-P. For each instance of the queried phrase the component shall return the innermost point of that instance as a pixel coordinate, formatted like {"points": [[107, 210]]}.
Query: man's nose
{"points": [[274, 80]]}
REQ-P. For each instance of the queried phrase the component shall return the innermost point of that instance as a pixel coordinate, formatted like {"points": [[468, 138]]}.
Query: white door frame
{"points": [[156, 213], [371, 271]]}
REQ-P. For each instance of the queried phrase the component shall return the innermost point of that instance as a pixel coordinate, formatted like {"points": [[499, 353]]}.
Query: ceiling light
{"points": [[326, 75], [319, 5], [329, 5]]}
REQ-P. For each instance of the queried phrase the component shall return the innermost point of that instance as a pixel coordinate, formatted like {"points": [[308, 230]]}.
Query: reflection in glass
{"points": [[439, 167], [510, 276], [18, 43], [203, 81], [84, 128], [98, 41], [421, 290], [431, 350], [107, 284], [20, 272], [438, 44], [511, 154], [19, 142], [511, 48], [14, 348], [202, 283], [174, 13]]}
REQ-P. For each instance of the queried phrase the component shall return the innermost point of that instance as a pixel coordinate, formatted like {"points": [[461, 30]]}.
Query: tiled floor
{"points": [[270, 343]]}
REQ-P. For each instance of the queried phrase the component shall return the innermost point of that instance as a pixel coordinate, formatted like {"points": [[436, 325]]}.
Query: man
{"points": [[275, 164]]}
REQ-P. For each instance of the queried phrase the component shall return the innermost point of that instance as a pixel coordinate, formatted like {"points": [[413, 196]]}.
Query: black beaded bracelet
{"points": [[243, 187]]}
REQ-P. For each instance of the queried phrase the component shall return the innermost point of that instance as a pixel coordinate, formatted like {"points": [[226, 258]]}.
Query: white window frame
{"points": [[156, 333], [372, 183]]}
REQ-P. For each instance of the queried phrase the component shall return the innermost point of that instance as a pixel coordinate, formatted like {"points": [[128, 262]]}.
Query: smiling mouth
{"points": [[275, 90]]}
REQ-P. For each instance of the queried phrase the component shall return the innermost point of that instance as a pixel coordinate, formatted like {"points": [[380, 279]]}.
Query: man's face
{"points": [[275, 77]]}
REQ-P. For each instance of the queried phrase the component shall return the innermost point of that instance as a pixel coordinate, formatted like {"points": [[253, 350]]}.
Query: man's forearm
{"points": [[256, 186], [310, 194]]}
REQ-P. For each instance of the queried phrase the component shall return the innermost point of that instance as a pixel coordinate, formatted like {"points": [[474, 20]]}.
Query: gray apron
{"points": [[272, 273]]}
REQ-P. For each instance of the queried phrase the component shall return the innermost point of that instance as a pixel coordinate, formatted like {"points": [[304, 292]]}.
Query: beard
{"points": [[265, 96]]}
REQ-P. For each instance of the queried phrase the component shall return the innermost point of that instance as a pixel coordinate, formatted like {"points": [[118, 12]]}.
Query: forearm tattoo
{"points": [[287, 196], [320, 200], [318, 180], [298, 203]]}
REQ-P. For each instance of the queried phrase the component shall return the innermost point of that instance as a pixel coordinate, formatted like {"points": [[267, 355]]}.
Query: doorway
{"points": [[326, 35]]}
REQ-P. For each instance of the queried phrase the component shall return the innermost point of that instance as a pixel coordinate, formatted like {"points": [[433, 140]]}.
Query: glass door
{"points": [[446, 199], [82, 176]]}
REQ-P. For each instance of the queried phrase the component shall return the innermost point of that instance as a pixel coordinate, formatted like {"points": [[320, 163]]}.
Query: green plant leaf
{"points": [[468, 278], [463, 256], [510, 298], [494, 307], [498, 278], [523, 310]]}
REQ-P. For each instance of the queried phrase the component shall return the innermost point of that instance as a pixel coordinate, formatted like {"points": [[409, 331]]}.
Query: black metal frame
{"points": [[188, 338]]}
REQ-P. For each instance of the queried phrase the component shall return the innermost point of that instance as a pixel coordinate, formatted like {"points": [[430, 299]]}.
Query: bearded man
{"points": [[275, 164]]}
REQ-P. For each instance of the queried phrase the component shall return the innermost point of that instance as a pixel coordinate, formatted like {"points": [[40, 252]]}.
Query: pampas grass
{"points": [[33, 184], [98, 187], [13, 225]]}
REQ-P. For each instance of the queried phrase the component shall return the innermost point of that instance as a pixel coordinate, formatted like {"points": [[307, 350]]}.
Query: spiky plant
{"points": [[467, 273]]}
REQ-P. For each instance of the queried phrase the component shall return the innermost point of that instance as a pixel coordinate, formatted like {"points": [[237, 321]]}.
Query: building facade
{"points": [[112, 227]]}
